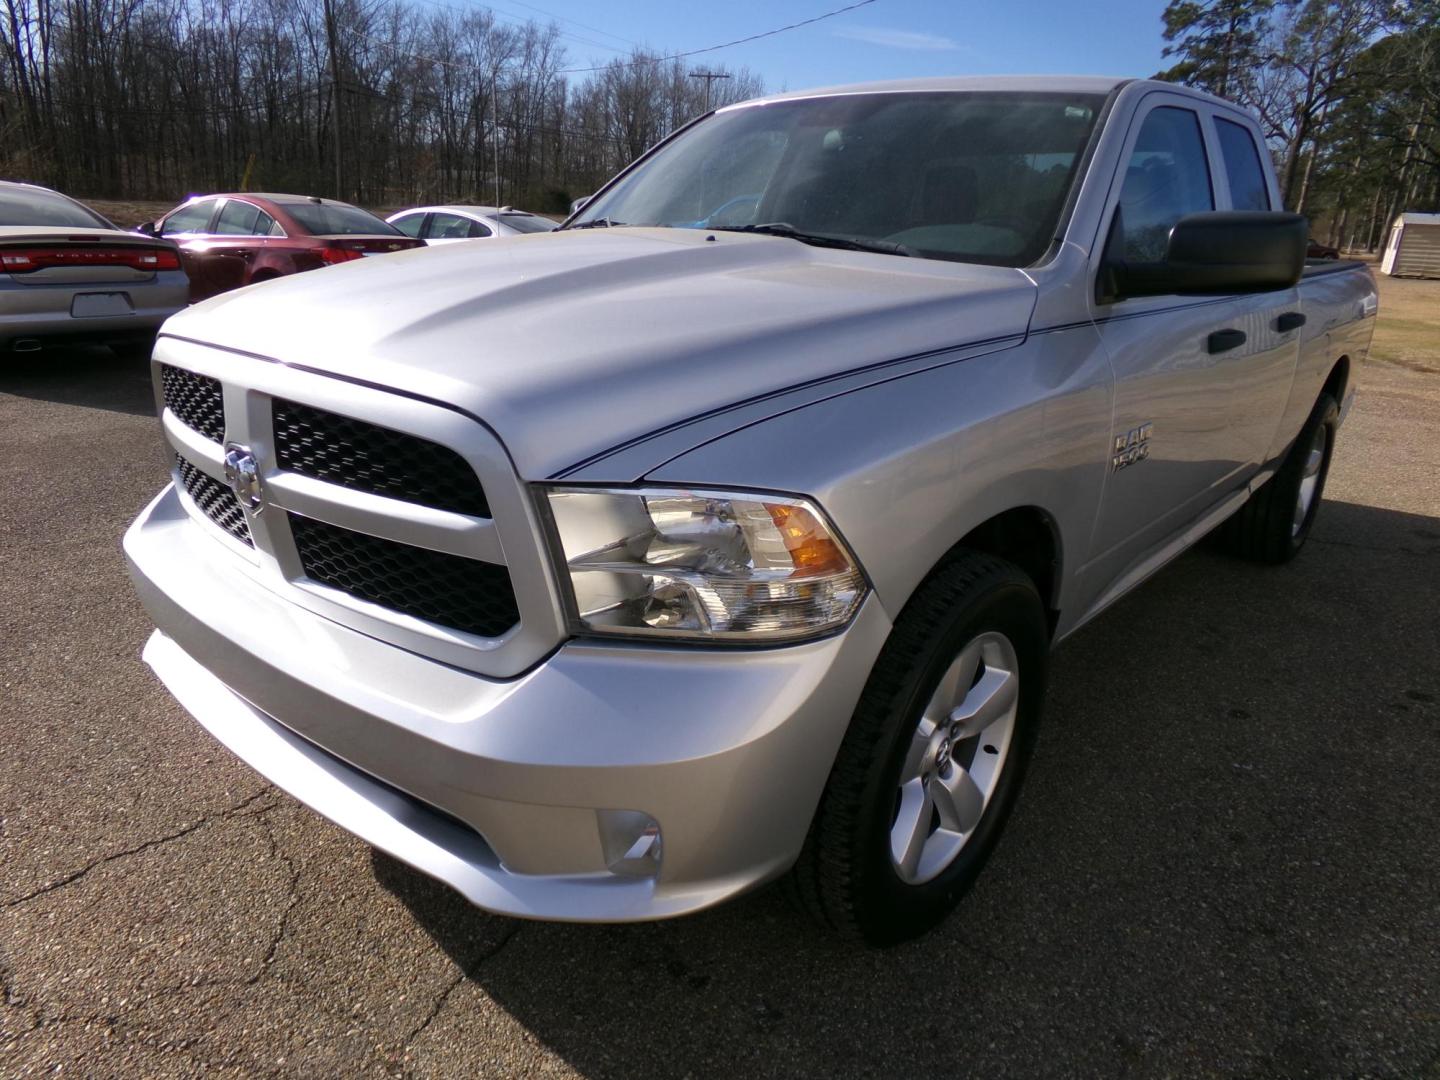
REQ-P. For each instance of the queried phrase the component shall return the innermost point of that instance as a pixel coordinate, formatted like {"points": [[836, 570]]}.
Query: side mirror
{"points": [[149, 228], [579, 204], [1217, 252]]}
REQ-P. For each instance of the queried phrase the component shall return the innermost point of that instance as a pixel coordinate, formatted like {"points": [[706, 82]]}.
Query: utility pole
{"points": [[335, 92], [709, 77], [495, 108]]}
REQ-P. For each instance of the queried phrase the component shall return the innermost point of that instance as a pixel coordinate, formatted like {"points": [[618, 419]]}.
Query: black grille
{"points": [[216, 500], [366, 457], [461, 593], [195, 399]]}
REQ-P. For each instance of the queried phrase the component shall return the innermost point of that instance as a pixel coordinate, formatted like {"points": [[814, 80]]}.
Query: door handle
{"points": [[1291, 320], [1225, 340]]}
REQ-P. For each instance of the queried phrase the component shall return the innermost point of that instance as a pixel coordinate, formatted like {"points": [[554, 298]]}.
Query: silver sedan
{"points": [[447, 224], [68, 275]]}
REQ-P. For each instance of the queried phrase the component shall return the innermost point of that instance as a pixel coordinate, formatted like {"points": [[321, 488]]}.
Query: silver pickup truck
{"points": [[722, 535]]}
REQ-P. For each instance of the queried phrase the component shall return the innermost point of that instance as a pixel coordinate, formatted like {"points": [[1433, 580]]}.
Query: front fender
{"points": [[908, 467]]}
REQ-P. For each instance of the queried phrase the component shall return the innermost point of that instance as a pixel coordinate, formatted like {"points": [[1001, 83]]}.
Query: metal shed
{"points": [[1413, 249]]}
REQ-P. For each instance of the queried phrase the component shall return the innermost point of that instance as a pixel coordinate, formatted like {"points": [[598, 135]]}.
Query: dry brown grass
{"points": [[129, 214], [1407, 331]]}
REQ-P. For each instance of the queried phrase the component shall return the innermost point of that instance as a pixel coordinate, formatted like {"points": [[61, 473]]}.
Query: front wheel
{"points": [[933, 758]]}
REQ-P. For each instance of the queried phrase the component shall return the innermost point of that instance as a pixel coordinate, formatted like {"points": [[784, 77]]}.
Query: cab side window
{"points": [[1242, 167], [1167, 177]]}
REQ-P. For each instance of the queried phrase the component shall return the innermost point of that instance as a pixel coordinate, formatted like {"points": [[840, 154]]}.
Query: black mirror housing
{"points": [[1218, 252], [148, 228]]}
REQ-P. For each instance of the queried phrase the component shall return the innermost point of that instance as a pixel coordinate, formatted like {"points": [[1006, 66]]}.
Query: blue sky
{"points": [[885, 39]]}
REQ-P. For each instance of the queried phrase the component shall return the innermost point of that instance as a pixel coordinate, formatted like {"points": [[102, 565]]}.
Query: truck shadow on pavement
{"points": [[1222, 861], [89, 376]]}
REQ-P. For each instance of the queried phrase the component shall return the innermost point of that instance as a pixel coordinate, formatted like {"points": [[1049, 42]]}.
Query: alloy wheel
{"points": [[955, 759]]}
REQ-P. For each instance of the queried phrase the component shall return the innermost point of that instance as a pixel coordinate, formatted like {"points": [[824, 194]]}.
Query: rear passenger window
{"points": [[448, 227], [237, 219], [478, 230], [264, 223], [1242, 167], [1168, 176]]}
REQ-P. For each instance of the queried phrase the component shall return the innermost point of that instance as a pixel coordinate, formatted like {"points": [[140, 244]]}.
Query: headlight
{"points": [[703, 564]]}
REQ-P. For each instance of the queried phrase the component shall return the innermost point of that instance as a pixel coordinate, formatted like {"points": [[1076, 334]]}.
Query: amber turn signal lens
{"points": [[810, 546]]}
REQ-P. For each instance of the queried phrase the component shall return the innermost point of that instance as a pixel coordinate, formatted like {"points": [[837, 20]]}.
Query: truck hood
{"points": [[569, 344]]}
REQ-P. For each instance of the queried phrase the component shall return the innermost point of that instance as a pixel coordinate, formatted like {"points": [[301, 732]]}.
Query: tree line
{"points": [[1348, 92], [385, 102], [380, 102]]}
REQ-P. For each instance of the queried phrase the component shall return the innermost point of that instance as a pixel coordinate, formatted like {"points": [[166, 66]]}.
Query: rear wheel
{"points": [[933, 758], [1274, 524]]}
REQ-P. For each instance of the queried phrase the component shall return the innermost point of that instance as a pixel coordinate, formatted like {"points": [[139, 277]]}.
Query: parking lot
{"points": [[1226, 859]]}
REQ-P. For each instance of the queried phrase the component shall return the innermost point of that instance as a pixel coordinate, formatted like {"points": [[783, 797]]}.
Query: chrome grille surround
{"points": [[510, 538]]}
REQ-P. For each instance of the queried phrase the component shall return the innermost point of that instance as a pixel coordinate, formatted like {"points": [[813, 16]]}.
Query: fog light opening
{"points": [[631, 842]]}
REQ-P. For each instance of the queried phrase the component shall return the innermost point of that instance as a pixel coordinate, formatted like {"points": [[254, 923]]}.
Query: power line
{"points": [[723, 45]]}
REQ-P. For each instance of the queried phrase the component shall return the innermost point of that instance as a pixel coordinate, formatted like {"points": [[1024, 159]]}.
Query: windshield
{"points": [[337, 219], [527, 223], [36, 206], [968, 176]]}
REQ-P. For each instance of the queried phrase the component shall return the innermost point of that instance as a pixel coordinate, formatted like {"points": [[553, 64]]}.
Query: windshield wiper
{"points": [[848, 243], [596, 223]]}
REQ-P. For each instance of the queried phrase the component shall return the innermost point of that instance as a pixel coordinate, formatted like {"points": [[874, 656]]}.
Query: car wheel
{"points": [[1273, 525], [933, 758]]}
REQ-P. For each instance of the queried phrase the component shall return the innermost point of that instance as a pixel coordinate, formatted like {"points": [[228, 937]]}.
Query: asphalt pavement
{"points": [[1226, 859]]}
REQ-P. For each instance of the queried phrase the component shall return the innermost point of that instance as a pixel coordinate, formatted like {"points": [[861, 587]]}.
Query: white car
{"points": [[447, 224]]}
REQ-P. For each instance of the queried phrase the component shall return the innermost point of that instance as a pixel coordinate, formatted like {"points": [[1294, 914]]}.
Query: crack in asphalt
{"points": [[122, 1023], [467, 971], [76, 875], [293, 888]]}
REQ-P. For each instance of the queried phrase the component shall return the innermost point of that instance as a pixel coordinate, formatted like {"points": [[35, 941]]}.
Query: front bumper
{"points": [[503, 788]]}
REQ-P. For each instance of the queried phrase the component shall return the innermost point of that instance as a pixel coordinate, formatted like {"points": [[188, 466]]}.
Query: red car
{"points": [[227, 241]]}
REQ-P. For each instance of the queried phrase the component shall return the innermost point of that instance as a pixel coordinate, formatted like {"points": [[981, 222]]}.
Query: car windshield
{"points": [[35, 206], [975, 177], [526, 223], [338, 219]]}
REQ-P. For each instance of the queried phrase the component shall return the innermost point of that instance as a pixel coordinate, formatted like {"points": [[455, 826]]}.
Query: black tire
{"points": [[845, 877], [1264, 529]]}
